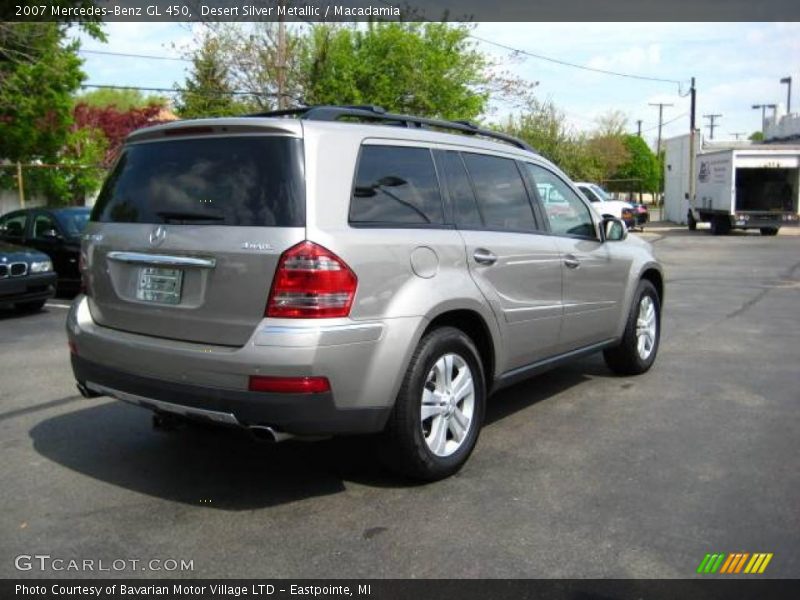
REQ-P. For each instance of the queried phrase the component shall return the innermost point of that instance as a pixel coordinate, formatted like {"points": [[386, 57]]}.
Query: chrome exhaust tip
{"points": [[264, 433]]}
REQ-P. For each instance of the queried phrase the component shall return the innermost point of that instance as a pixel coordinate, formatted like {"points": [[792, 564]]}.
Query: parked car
{"points": [[27, 278], [604, 204], [300, 275], [54, 231]]}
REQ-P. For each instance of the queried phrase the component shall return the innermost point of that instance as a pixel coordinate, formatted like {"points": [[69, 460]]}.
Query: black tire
{"points": [[770, 230], [403, 441], [720, 226], [32, 306], [691, 221], [625, 359]]}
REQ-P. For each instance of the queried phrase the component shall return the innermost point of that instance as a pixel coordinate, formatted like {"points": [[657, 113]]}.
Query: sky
{"points": [[735, 65]]}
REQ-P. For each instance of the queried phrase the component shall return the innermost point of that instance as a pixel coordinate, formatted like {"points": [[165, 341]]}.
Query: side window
{"points": [[396, 185], [589, 193], [13, 226], [502, 199], [566, 212], [43, 223], [465, 209]]}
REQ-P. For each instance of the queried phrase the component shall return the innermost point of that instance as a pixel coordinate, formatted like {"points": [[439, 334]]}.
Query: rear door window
{"points": [[396, 186], [42, 224], [246, 181], [462, 196], [500, 192]]}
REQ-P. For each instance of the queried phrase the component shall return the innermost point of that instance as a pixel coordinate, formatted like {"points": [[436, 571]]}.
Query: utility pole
{"points": [[737, 134], [711, 124], [660, 106], [20, 185], [639, 127], [692, 149], [281, 56]]}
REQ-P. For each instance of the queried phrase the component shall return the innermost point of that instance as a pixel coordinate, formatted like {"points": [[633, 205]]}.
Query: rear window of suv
{"points": [[245, 181]]}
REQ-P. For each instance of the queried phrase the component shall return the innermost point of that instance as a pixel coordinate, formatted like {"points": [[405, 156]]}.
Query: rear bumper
{"points": [[364, 362], [759, 220], [310, 414], [28, 289]]}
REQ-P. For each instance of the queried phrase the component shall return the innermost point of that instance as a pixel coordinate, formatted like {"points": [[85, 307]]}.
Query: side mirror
{"points": [[615, 230]]}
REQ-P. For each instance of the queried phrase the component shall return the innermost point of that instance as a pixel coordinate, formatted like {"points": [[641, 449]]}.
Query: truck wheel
{"points": [[637, 351], [438, 414], [770, 230], [691, 221], [720, 226]]}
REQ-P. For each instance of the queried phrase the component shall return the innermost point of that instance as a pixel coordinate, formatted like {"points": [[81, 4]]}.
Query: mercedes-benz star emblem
{"points": [[158, 235]]}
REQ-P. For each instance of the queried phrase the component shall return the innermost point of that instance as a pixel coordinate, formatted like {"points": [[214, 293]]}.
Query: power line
{"points": [[519, 51], [665, 123], [573, 65], [557, 61], [175, 90], [129, 55]]}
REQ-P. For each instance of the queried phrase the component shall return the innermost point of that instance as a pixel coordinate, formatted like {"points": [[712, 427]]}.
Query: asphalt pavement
{"points": [[577, 473]]}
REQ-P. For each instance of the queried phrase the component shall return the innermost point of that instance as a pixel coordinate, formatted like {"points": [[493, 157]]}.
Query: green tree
{"points": [[756, 136], [79, 173], [207, 89], [642, 164], [430, 69], [39, 72], [123, 99]]}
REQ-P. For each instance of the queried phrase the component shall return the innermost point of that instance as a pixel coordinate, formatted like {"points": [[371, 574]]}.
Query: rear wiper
{"points": [[177, 215]]}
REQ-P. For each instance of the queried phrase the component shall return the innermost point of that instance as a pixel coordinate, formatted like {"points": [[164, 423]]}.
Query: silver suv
{"points": [[342, 270]]}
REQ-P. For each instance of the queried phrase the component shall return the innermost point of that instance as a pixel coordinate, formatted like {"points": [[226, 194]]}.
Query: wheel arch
{"points": [[655, 277], [475, 326]]}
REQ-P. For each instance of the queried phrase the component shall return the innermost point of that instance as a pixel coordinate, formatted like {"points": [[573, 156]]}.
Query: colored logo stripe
{"points": [[734, 562], [758, 563], [710, 563]]}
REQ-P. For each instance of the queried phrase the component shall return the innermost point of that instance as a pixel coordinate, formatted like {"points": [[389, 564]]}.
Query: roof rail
{"points": [[377, 113]]}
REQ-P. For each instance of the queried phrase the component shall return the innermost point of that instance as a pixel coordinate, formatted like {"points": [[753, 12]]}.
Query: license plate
{"points": [[159, 285]]}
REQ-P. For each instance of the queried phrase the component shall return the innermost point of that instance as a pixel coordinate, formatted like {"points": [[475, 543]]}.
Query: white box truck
{"points": [[747, 188]]}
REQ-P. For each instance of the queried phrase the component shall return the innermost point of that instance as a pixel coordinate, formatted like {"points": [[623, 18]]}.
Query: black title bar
{"points": [[393, 10], [394, 589]]}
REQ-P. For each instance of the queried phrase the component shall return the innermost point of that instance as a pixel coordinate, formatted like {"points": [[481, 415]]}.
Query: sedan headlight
{"points": [[41, 267]]}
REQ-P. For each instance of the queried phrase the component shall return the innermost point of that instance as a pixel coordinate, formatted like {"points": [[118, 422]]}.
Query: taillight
{"points": [[289, 385], [311, 282]]}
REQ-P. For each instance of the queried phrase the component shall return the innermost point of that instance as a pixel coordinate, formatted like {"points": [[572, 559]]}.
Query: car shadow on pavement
{"points": [[211, 467], [228, 469], [7, 311]]}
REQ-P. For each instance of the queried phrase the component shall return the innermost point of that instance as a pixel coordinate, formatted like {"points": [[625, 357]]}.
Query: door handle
{"points": [[483, 256], [571, 261]]}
